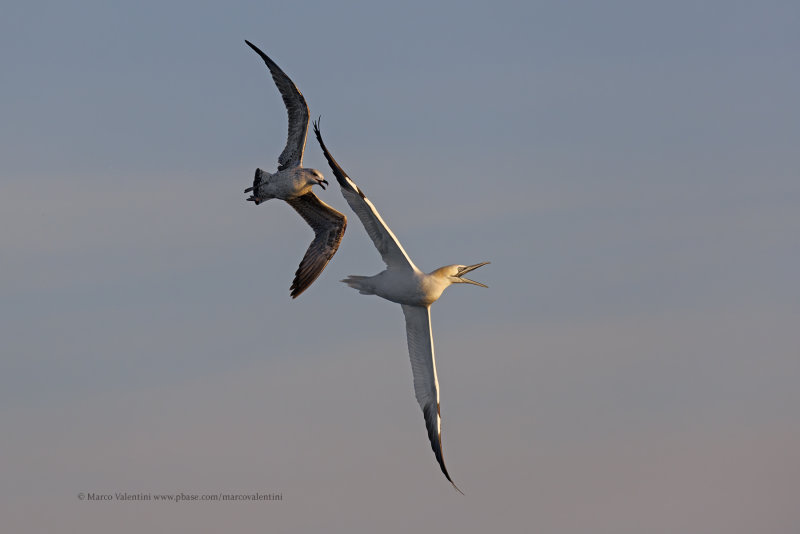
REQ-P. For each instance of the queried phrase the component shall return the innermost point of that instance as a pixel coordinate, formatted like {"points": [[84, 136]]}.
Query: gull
{"points": [[292, 183], [402, 282]]}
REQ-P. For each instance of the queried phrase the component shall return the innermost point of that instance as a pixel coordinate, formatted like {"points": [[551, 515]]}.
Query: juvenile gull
{"points": [[292, 183], [402, 282]]}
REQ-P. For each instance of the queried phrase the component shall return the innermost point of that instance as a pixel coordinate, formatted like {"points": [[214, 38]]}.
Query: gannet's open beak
{"points": [[460, 274]]}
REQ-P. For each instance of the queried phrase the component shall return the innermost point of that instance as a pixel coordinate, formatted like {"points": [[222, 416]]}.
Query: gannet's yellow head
{"points": [[455, 273]]}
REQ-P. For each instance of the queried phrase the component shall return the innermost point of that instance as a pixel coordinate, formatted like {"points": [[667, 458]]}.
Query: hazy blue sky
{"points": [[631, 170]]}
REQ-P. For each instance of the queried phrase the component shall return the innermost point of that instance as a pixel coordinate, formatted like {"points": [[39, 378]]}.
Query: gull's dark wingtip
{"points": [[301, 282], [271, 64], [295, 290], [254, 47]]}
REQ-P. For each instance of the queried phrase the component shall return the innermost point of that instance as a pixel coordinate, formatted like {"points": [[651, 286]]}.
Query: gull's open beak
{"points": [[323, 183], [469, 268]]}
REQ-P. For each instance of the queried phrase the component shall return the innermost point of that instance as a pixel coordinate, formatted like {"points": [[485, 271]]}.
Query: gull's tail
{"points": [[259, 178]]}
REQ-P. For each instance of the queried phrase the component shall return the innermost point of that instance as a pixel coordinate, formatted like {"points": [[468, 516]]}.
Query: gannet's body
{"points": [[414, 288], [402, 282], [292, 183]]}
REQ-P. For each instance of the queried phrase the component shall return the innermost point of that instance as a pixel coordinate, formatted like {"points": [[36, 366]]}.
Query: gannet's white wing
{"points": [[385, 241], [296, 107], [328, 225], [423, 366]]}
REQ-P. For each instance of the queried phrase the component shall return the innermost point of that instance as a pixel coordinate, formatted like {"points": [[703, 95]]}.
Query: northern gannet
{"points": [[292, 183], [402, 282]]}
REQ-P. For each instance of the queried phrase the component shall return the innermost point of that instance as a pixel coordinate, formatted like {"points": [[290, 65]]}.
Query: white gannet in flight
{"points": [[292, 183], [404, 283]]}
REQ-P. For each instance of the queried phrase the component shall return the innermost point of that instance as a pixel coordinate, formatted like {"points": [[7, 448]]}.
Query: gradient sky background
{"points": [[631, 170]]}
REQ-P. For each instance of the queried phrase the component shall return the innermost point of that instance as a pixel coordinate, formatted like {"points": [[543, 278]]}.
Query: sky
{"points": [[631, 170]]}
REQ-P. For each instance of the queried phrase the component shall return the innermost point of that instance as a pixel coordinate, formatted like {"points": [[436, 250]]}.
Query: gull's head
{"points": [[315, 178], [455, 273]]}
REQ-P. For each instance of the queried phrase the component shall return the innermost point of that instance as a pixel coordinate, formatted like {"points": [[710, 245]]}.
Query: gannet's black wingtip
{"points": [[338, 172], [435, 437]]}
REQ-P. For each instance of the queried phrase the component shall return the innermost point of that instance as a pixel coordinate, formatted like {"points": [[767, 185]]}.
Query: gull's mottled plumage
{"points": [[415, 291], [292, 183]]}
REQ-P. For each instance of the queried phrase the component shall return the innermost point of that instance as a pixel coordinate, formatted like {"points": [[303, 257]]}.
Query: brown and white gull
{"points": [[292, 183], [402, 282]]}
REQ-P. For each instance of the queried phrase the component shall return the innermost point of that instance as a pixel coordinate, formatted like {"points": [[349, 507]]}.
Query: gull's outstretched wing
{"points": [[328, 225], [296, 107], [385, 241], [423, 366]]}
